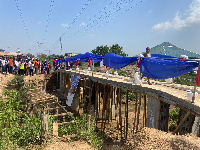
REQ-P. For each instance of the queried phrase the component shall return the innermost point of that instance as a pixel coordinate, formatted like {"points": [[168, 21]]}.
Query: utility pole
{"points": [[60, 45], [48, 50]]}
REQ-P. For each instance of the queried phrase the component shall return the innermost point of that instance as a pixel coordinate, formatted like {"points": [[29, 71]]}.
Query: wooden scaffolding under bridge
{"points": [[108, 100]]}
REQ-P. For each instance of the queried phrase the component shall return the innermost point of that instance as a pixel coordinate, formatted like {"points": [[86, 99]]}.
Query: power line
{"points": [[48, 20], [74, 20], [107, 16], [23, 21]]}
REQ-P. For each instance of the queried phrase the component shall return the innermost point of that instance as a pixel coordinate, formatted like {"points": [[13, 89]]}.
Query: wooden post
{"points": [[55, 129], [126, 115], [136, 99], [88, 124], [113, 104], [120, 112], [44, 126], [103, 107], [182, 121], [96, 100], [99, 102], [145, 110], [138, 115]]}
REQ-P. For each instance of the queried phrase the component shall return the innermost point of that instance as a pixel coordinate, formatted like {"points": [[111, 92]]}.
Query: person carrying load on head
{"points": [[147, 54]]}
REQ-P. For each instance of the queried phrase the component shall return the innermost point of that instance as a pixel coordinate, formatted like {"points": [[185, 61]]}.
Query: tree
{"points": [[103, 50], [30, 55], [117, 50], [42, 57]]}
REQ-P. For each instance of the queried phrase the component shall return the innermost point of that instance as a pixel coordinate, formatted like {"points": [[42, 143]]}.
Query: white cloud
{"points": [[65, 25], [83, 24], [150, 11], [192, 19], [39, 22], [91, 35]]}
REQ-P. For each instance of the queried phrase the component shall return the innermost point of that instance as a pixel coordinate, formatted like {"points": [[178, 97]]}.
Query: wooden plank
{"points": [[57, 115], [64, 123], [55, 108], [182, 121], [55, 129]]}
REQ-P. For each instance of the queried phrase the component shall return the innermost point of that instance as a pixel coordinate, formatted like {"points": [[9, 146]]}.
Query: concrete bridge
{"points": [[155, 100]]}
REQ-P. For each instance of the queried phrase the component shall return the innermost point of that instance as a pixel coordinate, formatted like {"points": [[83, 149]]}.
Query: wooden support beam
{"points": [[55, 108], [138, 115], [126, 114], [145, 110], [104, 97], [134, 124], [57, 115], [96, 99], [182, 121], [120, 113], [55, 129]]}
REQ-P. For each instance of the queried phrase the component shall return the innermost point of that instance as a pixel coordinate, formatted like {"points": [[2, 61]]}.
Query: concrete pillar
{"points": [[196, 127], [152, 112], [186, 127]]}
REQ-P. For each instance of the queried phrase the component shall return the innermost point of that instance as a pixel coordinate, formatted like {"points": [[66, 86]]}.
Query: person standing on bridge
{"points": [[147, 54]]}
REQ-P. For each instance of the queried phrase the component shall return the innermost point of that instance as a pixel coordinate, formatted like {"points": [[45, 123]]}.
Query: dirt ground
{"points": [[4, 79]]}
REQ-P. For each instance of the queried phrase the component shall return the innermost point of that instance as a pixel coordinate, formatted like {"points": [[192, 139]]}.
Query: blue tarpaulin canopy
{"points": [[115, 61], [87, 55], [81, 57], [164, 69], [93, 56]]}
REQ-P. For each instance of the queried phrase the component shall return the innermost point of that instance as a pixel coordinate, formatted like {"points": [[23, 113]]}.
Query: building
{"points": [[1, 50], [167, 48], [71, 54]]}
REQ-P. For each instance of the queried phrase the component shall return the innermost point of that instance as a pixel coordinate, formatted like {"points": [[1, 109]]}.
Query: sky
{"points": [[37, 26]]}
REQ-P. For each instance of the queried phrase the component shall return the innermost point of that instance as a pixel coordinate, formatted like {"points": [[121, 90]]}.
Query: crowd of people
{"points": [[23, 67]]}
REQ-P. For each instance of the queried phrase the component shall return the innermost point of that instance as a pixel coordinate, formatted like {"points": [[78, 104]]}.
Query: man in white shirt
{"points": [[3, 62]]}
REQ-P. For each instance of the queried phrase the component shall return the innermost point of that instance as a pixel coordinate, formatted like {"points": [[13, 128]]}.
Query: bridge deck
{"points": [[174, 94]]}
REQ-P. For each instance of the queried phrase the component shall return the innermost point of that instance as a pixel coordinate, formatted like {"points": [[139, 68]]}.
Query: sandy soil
{"points": [[4, 79]]}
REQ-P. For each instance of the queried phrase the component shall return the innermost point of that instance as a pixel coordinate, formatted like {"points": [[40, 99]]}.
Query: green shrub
{"points": [[17, 128], [173, 118], [79, 127]]}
